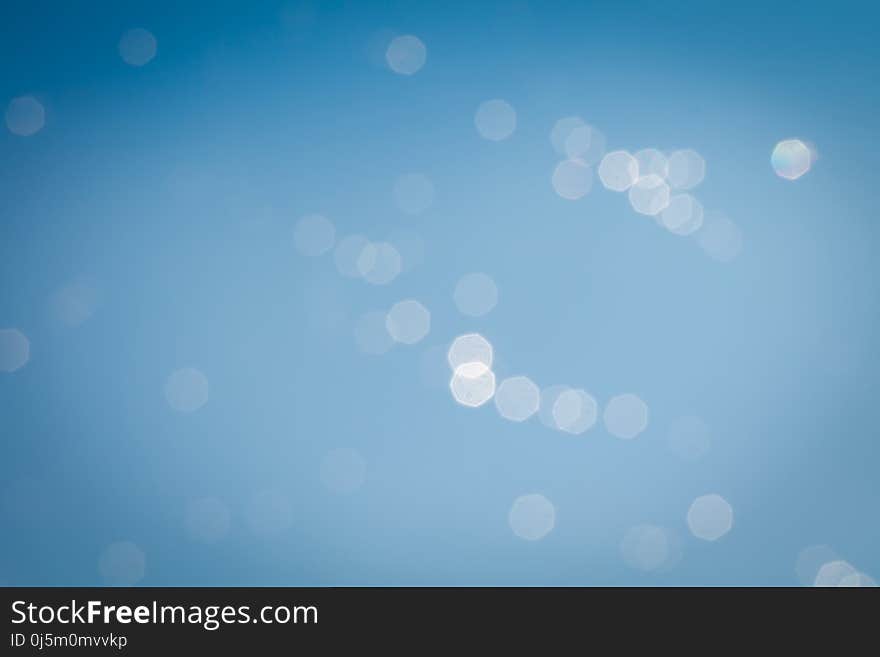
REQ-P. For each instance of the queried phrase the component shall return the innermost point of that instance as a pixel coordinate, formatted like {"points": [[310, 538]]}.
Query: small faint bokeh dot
{"points": [[470, 348], [710, 517], [137, 47], [408, 321], [532, 517], [517, 398], [15, 350], [371, 333], [343, 470], [406, 54], [413, 193], [689, 437], [314, 235], [25, 116], [575, 411], [472, 384], [122, 564], [572, 179], [495, 120], [618, 171], [791, 159], [719, 237], [649, 195], [187, 390], [649, 548], [685, 169], [475, 294], [270, 512], [207, 519], [379, 263], [625, 416], [683, 215]]}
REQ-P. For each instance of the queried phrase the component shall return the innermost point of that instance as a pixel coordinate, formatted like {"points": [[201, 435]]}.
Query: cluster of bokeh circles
{"points": [[658, 184]]}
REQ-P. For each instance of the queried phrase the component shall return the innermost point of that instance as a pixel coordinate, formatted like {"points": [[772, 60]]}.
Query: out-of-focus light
{"points": [[652, 162], [495, 120], [710, 517], [472, 384], [810, 560], [270, 512], [371, 334], [379, 263], [575, 411], [683, 215], [686, 169], [475, 294], [314, 235], [410, 246], [859, 580], [649, 195], [187, 390], [689, 437], [207, 520], [406, 54], [408, 321], [618, 171], [561, 131], [833, 573], [122, 564], [585, 143], [343, 470], [517, 398], [25, 116], [572, 179], [413, 193], [719, 237], [549, 397], [791, 159], [625, 416], [650, 548], [15, 350], [75, 302], [532, 517], [469, 348], [347, 253], [137, 47]]}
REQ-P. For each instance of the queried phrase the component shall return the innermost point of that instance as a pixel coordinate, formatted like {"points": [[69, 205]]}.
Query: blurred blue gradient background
{"points": [[174, 188]]}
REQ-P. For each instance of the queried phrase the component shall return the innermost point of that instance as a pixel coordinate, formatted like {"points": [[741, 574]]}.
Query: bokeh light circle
{"points": [[650, 548], [652, 162], [137, 47], [495, 120], [532, 517], [791, 159], [25, 116], [618, 171], [379, 263], [683, 215], [475, 294], [517, 398], [575, 411], [710, 517], [187, 390], [572, 179], [685, 169], [625, 416], [649, 195], [472, 384], [406, 54], [470, 348], [408, 321], [719, 237]]}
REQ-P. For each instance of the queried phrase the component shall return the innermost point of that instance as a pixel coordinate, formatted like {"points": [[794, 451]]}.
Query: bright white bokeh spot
{"points": [[137, 47], [625, 416], [371, 333], [791, 159], [572, 179], [585, 143], [413, 193], [470, 348], [574, 411], [683, 215], [720, 238], [379, 263], [833, 573], [650, 548], [475, 294], [75, 302], [517, 398], [408, 321], [343, 470], [689, 437], [618, 171], [347, 254], [122, 564], [710, 517], [25, 116], [649, 195], [810, 560], [207, 520], [652, 162], [686, 169], [472, 384], [495, 120], [187, 390], [270, 512], [15, 350], [532, 517], [314, 235], [406, 54]]}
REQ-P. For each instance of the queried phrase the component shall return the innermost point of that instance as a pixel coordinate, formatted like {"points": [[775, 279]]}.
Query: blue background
{"points": [[176, 186]]}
